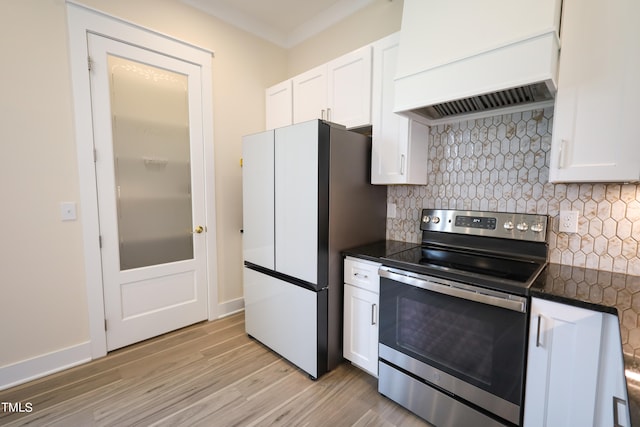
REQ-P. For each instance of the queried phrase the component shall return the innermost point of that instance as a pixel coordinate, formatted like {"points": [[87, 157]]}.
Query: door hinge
{"points": [[95, 155], [105, 324], [100, 241], [89, 63]]}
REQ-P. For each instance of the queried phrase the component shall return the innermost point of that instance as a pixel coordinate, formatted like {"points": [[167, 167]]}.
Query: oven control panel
{"points": [[517, 226]]}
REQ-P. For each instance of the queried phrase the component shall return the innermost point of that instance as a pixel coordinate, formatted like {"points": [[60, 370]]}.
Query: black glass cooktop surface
{"points": [[497, 272]]}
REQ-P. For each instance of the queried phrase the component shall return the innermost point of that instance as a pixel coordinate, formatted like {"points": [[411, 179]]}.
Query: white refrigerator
{"points": [[306, 197]]}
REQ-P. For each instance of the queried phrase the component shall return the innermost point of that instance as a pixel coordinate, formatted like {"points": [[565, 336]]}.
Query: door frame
{"points": [[83, 20]]}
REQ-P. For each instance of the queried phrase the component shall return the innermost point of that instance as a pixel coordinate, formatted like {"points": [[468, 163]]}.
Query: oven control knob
{"points": [[426, 218], [508, 225], [523, 226], [537, 228], [435, 220]]}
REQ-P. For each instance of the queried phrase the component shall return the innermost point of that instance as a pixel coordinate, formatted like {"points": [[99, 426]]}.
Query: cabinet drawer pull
{"points": [[364, 276], [617, 401], [538, 331], [374, 314], [402, 161], [322, 114]]}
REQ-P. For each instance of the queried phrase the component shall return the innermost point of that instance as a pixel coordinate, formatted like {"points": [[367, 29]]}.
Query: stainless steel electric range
{"points": [[454, 316]]}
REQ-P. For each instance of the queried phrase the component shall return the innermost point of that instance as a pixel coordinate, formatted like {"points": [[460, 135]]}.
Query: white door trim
{"points": [[82, 20]]}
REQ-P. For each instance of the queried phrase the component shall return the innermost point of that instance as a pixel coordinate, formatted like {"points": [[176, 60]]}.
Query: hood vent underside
{"points": [[513, 97]]}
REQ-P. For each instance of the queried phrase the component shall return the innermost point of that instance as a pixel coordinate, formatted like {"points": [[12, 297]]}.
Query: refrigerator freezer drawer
{"points": [[283, 317]]}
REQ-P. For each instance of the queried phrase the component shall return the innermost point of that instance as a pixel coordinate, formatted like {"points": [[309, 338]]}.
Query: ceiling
{"points": [[283, 22]]}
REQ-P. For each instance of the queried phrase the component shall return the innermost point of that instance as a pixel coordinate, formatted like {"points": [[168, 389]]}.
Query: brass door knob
{"points": [[199, 229]]}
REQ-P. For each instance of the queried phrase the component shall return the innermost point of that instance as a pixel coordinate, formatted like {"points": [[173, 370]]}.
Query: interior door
{"points": [[148, 136]]}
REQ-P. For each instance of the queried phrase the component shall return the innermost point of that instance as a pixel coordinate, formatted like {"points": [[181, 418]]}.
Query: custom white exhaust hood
{"points": [[461, 59]]}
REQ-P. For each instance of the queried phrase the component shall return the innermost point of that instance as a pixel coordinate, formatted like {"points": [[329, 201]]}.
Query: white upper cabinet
{"points": [[310, 95], [279, 105], [349, 89], [399, 144], [594, 130], [338, 91]]}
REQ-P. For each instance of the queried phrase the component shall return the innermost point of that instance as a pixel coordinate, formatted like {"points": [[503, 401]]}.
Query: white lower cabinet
{"points": [[361, 302], [612, 407], [575, 373]]}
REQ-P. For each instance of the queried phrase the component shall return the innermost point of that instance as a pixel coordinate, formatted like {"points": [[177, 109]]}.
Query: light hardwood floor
{"points": [[209, 374]]}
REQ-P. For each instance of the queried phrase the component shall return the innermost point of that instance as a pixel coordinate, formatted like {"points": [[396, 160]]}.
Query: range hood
{"points": [[519, 97], [502, 58]]}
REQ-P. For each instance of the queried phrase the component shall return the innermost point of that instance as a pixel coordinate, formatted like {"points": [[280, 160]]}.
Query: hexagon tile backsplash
{"points": [[501, 163]]}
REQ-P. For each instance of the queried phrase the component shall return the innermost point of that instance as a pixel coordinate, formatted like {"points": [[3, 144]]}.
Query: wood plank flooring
{"points": [[209, 374]]}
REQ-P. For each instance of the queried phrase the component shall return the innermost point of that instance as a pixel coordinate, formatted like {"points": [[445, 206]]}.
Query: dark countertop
{"points": [[376, 251], [590, 289], [603, 291]]}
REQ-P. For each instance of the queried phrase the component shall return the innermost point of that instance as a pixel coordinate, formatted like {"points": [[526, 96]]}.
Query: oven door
{"points": [[468, 341]]}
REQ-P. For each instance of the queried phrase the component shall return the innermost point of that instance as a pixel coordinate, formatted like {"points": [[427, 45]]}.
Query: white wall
{"points": [[373, 22], [43, 306]]}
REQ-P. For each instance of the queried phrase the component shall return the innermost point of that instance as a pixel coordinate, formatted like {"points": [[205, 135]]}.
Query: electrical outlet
{"points": [[568, 222]]}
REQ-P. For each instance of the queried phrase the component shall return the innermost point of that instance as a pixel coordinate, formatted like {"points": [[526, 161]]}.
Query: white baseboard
{"points": [[46, 364], [228, 308]]}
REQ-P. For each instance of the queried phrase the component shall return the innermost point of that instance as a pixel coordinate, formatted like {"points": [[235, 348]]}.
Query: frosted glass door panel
{"points": [[150, 118]]}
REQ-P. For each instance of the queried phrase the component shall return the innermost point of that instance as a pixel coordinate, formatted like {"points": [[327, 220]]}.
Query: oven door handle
{"points": [[505, 301]]}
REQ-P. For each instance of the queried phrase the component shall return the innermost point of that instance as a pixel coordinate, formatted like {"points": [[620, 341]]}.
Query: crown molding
{"points": [[225, 11]]}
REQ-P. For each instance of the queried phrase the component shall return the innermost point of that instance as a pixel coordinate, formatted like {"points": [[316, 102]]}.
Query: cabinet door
{"points": [[349, 89], [310, 95], [399, 145], [594, 124], [257, 199], [562, 366], [612, 386], [279, 105], [361, 328]]}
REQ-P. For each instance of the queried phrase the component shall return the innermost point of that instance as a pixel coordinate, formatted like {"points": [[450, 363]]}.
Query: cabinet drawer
{"points": [[363, 274]]}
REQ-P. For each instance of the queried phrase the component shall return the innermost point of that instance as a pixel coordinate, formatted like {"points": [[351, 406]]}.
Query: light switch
{"points": [[68, 211]]}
